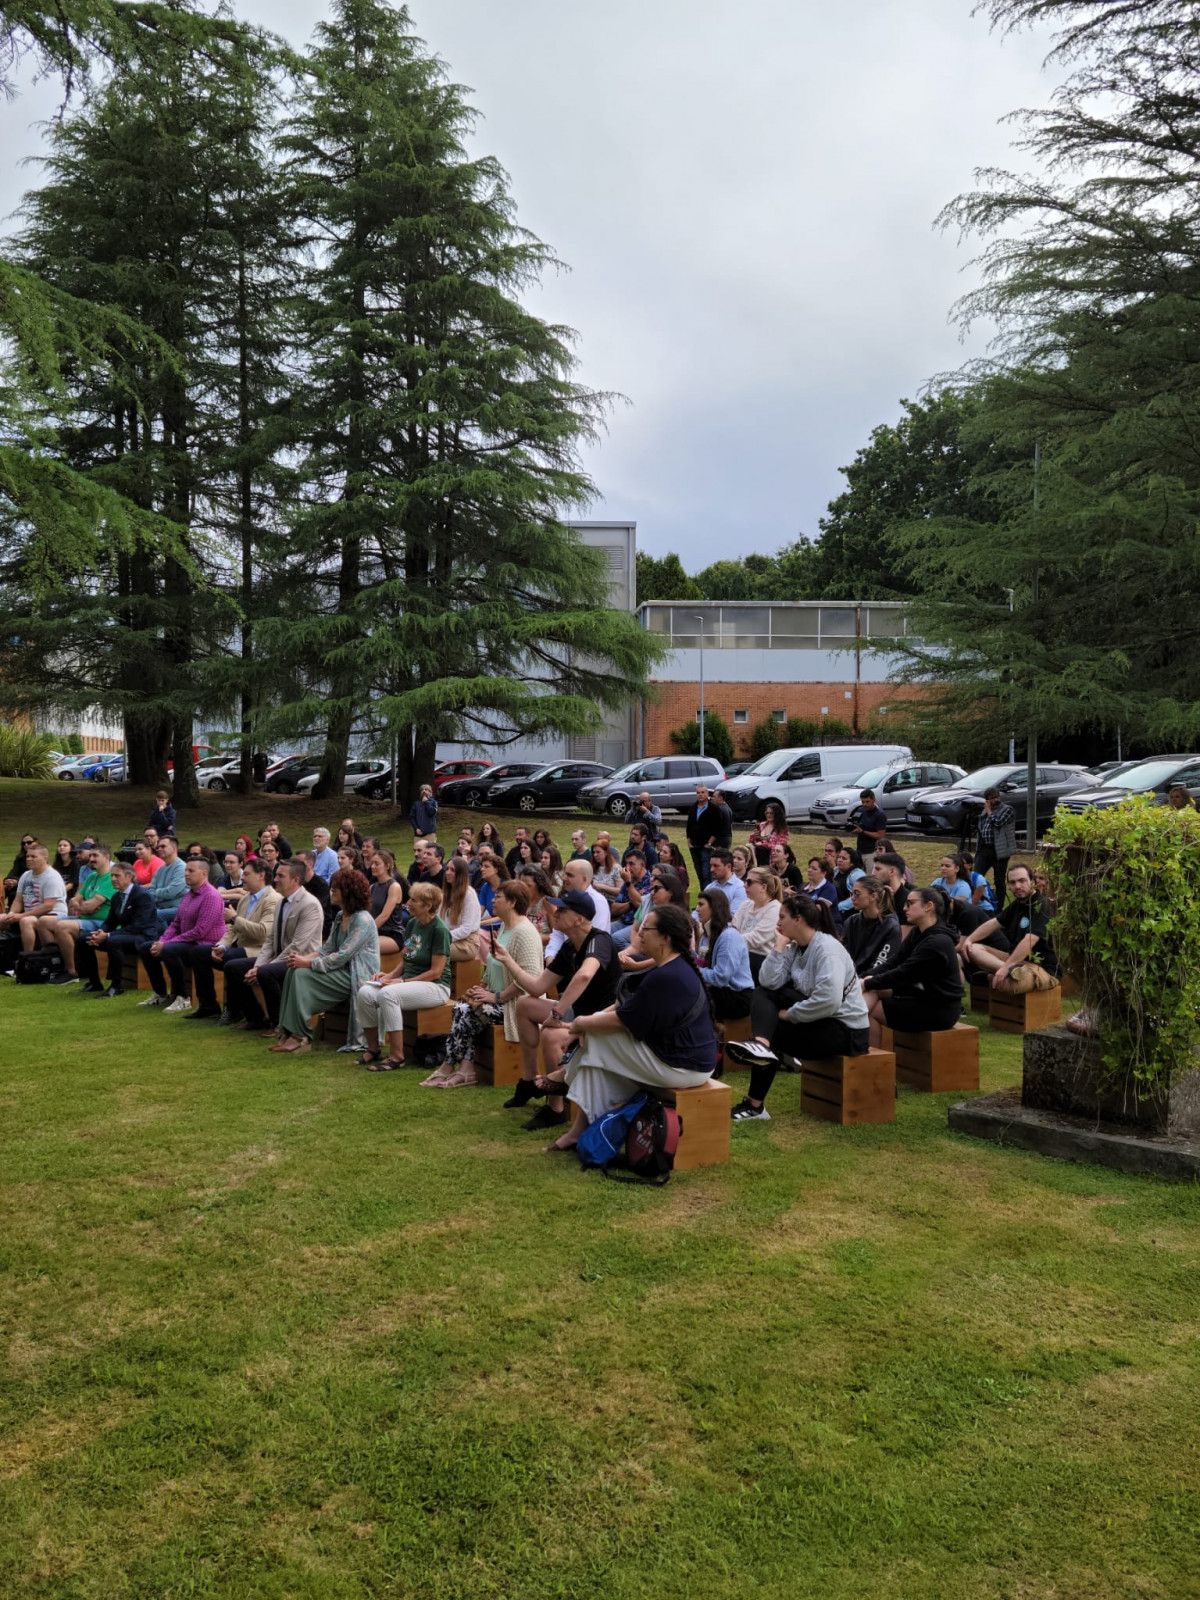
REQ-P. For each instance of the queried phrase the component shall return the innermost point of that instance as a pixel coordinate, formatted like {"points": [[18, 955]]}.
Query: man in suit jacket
{"points": [[132, 918], [295, 929], [709, 827], [242, 942], [318, 887]]}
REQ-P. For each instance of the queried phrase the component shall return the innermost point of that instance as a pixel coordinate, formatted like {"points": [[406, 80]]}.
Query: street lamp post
{"points": [[699, 618]]}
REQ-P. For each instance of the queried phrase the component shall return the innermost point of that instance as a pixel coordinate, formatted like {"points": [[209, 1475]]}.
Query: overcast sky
{"points": [[744, 191]]}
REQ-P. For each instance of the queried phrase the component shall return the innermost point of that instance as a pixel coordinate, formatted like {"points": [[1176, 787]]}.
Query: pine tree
{"points": [[434, 586]]}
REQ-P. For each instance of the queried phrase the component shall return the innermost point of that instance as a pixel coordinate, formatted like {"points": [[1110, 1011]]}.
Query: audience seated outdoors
{"points": [[765, 835], [388, 892], [808, 1002], [635, 879], [723, 877], [130, 921], [666, 889], [248, 926], [461, 911], [40, 897], [87, 910], [871, 934], [1030, 962], [848, 869], [493, 1001], [757, 918], [819, 885], [420, 983], [921, 989], [953, 881], [254, 984], [346, 963], [722, 957]]}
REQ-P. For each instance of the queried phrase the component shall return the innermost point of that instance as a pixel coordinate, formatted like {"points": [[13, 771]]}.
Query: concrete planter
{"points": [[1064, 1072]]}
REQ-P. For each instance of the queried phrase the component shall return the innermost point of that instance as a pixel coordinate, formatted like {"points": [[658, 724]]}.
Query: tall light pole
{"points": [[699, 618]]}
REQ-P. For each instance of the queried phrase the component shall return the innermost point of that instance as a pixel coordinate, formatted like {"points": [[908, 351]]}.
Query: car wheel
{"points": [[285, 786], [474, 798], [618, 806], [216, 783], [527, 802], [67, 777]]}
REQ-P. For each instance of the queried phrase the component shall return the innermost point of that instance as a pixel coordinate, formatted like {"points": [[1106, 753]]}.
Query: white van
{"points": [[794, 778]]}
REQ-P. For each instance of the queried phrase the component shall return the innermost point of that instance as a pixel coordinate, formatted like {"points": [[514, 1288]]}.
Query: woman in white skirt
{"points": [[662, 1036], [422, 983]]}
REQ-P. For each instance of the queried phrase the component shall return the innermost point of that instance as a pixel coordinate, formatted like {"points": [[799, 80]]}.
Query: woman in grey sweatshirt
{"points": [[808, 1003]]}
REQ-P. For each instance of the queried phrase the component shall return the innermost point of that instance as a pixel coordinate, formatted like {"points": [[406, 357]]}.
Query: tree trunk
{"points": [[245, 778]]}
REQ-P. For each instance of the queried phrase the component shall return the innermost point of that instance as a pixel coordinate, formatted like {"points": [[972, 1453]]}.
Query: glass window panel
{"points": [[686, 627], [881, 624], [837, 622], [745, 628], [658, 619]]}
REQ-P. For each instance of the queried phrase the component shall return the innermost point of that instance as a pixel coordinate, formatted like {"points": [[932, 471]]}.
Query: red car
{"points": [[457, 769]]}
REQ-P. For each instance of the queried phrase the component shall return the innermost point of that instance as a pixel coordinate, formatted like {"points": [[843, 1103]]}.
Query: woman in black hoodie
{"points": [[871, 933], [921, 990]]}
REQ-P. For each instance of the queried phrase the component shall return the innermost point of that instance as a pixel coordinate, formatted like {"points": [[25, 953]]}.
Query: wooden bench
{"points": [[1025, 1013], [497, 1061], [936, 1062], [850, 1089], [464, 975]]}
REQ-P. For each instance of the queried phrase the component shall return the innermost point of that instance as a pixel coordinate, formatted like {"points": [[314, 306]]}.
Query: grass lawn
{"points": [[283, 1329]]}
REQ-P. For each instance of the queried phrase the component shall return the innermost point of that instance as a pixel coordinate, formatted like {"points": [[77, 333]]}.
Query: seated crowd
{"points": [[594, 966]]}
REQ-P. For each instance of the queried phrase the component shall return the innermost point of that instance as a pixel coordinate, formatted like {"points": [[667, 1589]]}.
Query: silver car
{"points": [[670, 781], [896, 786]]}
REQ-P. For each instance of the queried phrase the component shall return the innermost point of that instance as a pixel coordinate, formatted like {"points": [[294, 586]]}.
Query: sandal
{"points": [[435, 1080], [554, 1088], [390, 1065], [368, 1057], [464, 1078]]}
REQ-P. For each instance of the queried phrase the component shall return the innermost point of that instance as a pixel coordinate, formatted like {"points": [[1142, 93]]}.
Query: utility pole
{"points": [[1032, 751], [700, 620]]}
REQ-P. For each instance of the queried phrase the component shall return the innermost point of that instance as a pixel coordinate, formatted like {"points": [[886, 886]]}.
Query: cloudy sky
{"points": [[744, 192]]}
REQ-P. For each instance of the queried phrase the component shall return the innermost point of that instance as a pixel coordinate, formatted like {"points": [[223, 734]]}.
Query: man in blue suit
{"points": [[132, 916]]}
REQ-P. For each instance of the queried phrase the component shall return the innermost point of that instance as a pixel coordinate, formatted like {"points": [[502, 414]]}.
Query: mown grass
{"points": [[286, 1329]]}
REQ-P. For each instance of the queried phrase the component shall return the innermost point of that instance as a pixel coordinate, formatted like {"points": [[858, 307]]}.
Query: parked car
{"points": [[472, 791], [94, 765], [215, 772], [110, 771], [895, 786], [357, 772], [276, 762], [378, 785], [556, 784], [796, 778], [955, 811], [736, 768], [670, 781], [467, 767], [71, 769], [1107, 770], [1154, 777], [286, 776]]}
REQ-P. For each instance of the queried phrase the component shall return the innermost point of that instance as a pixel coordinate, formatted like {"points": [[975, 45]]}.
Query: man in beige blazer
{"points": [[295, 925]]}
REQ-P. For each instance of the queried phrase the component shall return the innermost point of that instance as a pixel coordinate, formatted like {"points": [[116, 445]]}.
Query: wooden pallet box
{"points": [[850, 1090], [707, 1126], [497, 1061], [936, 1062], [1025, 1013], [464, 975]]}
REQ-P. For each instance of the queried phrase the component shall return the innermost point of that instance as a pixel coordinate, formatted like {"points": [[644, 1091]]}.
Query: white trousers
{"points": [[383, 1006], [610, 1068]]}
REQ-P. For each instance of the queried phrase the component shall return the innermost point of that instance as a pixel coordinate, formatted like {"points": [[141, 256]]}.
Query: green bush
{"points": [[801, 731], [24, 753], [718, 739], [1127, 885], [764, 737]]}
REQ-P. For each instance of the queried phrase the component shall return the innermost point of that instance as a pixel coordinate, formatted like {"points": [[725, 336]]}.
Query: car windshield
{"points": [[627, 771], [872, 776], [1146, 775], [985, 778], [768, 766]]}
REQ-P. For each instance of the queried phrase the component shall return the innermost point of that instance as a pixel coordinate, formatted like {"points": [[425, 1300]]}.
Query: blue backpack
{"points": [[639, 1138]]}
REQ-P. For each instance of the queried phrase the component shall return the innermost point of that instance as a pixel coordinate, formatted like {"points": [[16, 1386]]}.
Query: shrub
{"points": [[1127, 883], [764, 737], [718, 739], [801, 730], [24, 753]]}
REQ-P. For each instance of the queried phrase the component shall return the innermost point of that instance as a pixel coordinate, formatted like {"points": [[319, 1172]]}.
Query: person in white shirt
{"points": [[41, 892], [757, 918], [578, 875], [461, 911]]}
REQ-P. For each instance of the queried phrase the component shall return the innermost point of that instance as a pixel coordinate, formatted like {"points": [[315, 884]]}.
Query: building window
{"points": [[779, 715], [741, 716]]}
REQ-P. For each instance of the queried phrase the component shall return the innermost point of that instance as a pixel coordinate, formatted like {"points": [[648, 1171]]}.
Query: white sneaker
{"points": [[751, 1054], [181, 1004], [152, 1000]]}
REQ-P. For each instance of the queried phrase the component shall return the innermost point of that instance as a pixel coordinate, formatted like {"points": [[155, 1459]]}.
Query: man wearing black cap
{"points": [[586, 970]]}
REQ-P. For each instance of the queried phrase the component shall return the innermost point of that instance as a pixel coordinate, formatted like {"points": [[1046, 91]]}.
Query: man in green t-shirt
{"points": [[86, 911]]}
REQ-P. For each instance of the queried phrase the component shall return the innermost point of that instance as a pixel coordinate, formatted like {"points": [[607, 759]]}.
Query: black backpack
{"points": [[38, 966], [651, 1141]]}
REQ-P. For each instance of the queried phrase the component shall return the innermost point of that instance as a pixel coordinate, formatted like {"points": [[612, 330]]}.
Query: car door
{"points": [[679, 786], [1189, 777], [552, 789], [896, 791], [801, 783]]}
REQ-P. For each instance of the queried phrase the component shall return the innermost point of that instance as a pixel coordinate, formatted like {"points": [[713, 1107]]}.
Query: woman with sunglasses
{"points": [[19, 866]]}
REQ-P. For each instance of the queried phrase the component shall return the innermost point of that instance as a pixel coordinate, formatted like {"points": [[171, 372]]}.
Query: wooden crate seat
{"points": [[497, 1061], [1024, 1013], [736, 1031], [936, 1062], [850, 1089], [980, 988], [464, 975]]}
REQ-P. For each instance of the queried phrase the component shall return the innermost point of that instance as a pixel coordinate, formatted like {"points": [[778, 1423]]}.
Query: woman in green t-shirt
{"points": [[420, 984]]}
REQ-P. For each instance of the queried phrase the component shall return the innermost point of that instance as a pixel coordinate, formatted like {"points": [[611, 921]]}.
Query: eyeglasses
{"points": [[27, 842]]}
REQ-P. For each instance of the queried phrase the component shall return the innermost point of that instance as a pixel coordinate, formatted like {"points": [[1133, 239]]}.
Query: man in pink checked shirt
{"points": [[199, 924]]}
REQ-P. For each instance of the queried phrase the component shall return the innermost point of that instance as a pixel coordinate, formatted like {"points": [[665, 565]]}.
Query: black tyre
{"points": [[285, 786], [618, 806], [527, 802], [474, 798], [218, 783]]}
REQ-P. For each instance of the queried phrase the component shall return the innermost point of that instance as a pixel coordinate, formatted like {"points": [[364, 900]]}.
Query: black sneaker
{"points": [[525, 1091], [203, 1014], [92, 988], [748, 1112], [545, 1118], [752, 1054], [61, 979], [112, 993]]}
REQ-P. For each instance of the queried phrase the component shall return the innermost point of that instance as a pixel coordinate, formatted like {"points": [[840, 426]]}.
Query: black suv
{"points": [[554, 785], [955, 811], [474, 791], [288, 774]]}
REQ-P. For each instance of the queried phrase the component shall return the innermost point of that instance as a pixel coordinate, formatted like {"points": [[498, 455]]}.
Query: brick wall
{"points": [[677, 703]]}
